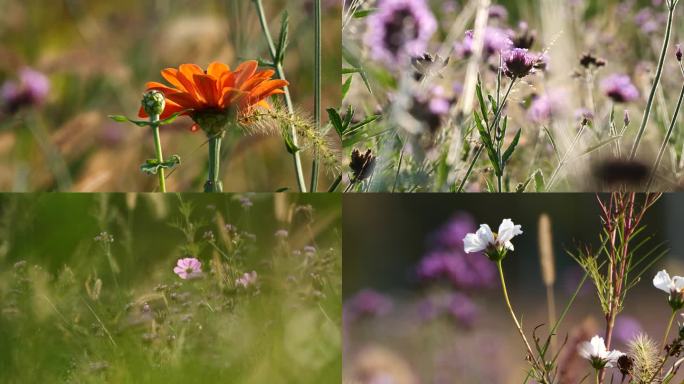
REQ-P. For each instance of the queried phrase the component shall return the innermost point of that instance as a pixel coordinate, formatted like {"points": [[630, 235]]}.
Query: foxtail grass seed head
{"points": [[494, 245], [547, 259], [673, 286], [153, 103]]}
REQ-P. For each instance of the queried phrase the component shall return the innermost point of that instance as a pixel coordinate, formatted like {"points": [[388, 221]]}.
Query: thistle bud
{"points": [[153, 103], [678, 53], [626, 119]]}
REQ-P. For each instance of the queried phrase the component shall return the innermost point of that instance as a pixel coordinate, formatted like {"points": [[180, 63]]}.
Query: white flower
{"points": [[595, 351], [674, 286], [484, 237]]}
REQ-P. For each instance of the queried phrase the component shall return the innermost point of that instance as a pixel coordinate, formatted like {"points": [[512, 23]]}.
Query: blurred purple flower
{"points": [[31, 89], [497, 11], [463, 309], [400, 29], [649, 21], [461, 270], [451, 234], [367, 303], [544, 107], [247, 279], [188, 268], [496, 40], [619, 88], [626, 328]]}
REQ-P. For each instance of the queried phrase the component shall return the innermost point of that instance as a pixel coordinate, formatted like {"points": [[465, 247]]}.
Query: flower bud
{"points": [[676, 300], [626, 119], [153, 103], [678, 53]]}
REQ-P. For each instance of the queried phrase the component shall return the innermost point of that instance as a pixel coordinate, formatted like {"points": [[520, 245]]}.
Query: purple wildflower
{"points": [[400, 29], [497, 11], [188, 268], [518, 62], [31, 89], [451, 234], [461, 270], [619, 88], [247, 279], [367, 303]]}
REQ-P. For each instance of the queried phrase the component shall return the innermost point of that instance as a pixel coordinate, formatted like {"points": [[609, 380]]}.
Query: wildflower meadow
{"points": [[512, 96], [151, 288], [554, 288]]}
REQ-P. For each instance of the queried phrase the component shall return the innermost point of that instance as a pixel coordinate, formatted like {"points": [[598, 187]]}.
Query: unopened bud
{"points": [[153, 103], [626, 119], [678, 53]]}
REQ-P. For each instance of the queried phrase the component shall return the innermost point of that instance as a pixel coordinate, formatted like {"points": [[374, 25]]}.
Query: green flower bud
{"points": [[153, 103], [214, 122]]}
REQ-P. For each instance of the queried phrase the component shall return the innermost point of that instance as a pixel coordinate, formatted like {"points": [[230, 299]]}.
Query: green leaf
{"points": [[509, 152], [289, 144], [363, 13], [348, 117], [336, 121], [283, 38], [597, 146], [123, 119], [350, 71], [171, 118], [356, 63], [483, 105], [346, 86], [539, 181], [487, 142], [152, 166]]}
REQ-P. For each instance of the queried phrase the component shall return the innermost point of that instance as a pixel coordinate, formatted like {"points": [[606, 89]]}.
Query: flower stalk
{"points": [[671, 5], [213, 183], [277, 63], [154, 123], [317, 88]]}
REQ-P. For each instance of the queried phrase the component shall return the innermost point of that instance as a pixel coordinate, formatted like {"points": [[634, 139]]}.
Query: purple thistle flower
{"points": [[247, 279], [400, 29], [497, 11], [31, 89], [518, 63], [620, 88], [188, 268], [367, 303]]}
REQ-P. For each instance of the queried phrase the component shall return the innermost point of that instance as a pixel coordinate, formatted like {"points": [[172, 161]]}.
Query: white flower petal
{"points": [[663, 282], [678, 283], [478, 241], [507, 231], [599, 346], [584, 349]]}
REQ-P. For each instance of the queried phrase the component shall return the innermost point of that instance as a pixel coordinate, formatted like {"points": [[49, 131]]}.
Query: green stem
{"points": [[659, 72], [667, 330], [532, 359], [556, 171], [213, 183], [317, 88], [665, 141], [495, 125], [598, 376], [154, 120], [288, 99], [335, 184]]}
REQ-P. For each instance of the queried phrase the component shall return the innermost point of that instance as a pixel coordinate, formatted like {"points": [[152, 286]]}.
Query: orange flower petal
{"points": [[154, 86], [206, 85], [185, 100], [245, 71], [217, 69], [230, 96], [227, 80], [264, 89], [171, 75]]}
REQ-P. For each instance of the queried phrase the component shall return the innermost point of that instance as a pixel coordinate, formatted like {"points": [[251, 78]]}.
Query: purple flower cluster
{"points": [[31, 89], [367, 303], [458, 306], [399, 30], [620, 88], [546, 106], [446, 260], [518, 63]]}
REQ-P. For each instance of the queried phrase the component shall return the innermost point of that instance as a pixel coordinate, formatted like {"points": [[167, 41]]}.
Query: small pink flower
{"points": [[188, 268], [247, 279]]}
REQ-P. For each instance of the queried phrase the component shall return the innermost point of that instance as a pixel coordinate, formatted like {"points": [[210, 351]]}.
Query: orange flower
{"points": [[215, 90]]}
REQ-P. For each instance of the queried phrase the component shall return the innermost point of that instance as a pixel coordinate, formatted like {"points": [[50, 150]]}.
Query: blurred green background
{"points": [[98, 55], [54, 328]]}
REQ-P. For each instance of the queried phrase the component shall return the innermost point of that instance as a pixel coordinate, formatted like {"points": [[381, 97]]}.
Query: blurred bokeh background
{"points": [[72, 311], [68, 64], [401, 322]]}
